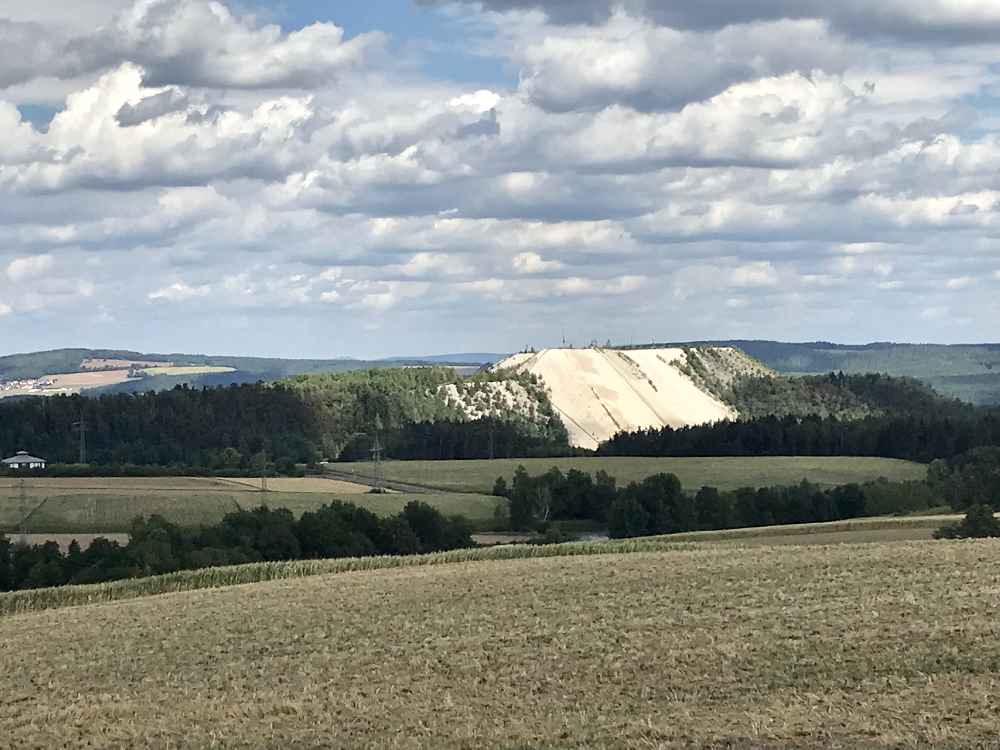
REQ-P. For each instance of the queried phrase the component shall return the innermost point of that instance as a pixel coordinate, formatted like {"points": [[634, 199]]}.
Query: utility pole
{"points": [[376, 452], [81, 427], [23, 500]]}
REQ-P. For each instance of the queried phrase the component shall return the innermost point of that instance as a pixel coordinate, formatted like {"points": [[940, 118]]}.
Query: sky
{"points": [[408, 177]]}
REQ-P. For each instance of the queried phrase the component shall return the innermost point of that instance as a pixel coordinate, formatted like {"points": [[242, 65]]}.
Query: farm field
{"points": [[187, 370], [724, 473], [108, 505], [303, 484], [890, 645]]}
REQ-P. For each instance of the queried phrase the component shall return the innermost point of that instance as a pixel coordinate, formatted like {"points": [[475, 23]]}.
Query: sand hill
{"points": [[600, 392]]}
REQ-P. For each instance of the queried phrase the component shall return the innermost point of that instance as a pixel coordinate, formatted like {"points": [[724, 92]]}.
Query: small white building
{"points": [[23, 461]]}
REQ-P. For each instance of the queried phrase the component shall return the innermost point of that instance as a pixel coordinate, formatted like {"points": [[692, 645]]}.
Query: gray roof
{"points": [[22, 457]]}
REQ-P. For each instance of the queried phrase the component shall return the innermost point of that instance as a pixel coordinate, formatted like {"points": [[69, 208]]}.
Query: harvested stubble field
{"points": [[890, 645], [724, 473], [108, 505]]}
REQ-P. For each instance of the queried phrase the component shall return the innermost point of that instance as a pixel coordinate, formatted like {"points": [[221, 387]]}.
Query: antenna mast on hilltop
{"points": [[23, 513], [81, 427], [376, 451]]}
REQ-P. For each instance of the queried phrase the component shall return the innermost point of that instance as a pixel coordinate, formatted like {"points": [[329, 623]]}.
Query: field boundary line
{"points": [[35, 600], [33, 511]]}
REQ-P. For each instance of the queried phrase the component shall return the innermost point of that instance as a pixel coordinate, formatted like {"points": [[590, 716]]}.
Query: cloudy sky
{"points": [[412, 176]]}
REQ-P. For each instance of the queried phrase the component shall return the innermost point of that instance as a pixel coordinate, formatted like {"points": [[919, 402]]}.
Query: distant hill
{"points": [[970, 372], [118, 371], [600, 392]]}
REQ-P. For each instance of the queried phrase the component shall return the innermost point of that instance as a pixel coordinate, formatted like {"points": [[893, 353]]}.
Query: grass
{"points": [[108, 505], [302, 484], [724, 473], [907, 528], [892, 645]]}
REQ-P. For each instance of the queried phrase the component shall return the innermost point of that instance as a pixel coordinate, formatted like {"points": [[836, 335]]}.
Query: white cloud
{"points": [[5, 309], [760, 274], [650, 172], [22, 269], [191, 43], [531, 263], [960, 282], [180, 291], [478, 102]]}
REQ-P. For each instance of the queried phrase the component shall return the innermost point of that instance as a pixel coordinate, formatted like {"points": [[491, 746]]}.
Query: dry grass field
{"points": [[108, 505], [724, 473], [892, 645]]}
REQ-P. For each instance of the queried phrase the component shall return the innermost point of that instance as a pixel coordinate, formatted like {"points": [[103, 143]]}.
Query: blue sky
{"points": [[446, 41]]}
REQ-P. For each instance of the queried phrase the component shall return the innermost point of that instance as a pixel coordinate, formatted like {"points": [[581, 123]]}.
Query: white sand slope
{"points": [[600, 392]]}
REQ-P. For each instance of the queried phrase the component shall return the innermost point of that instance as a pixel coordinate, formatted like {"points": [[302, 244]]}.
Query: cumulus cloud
{"points": [[180, 291], [753, 168], [21, 269], [531, 263], [187, 42], [151, 107], [630, 60], [943, 21]]}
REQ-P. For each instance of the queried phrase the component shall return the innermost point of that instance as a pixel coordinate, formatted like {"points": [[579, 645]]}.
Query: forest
{"points": [[911, 437], [262, 427], [157, 546], [660, 505], [225, 428]]}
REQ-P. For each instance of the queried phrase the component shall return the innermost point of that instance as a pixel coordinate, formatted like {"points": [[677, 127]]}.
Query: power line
{"points": [[23, 499]]}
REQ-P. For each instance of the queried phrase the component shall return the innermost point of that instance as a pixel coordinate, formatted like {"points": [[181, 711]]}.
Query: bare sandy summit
{"points": [[600, 392]]}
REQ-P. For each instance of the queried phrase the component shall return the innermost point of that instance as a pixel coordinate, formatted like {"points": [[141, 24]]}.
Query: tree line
{"points": [[451, 440], [157, 546], [238, 427], [660, 505], [911, 437]]}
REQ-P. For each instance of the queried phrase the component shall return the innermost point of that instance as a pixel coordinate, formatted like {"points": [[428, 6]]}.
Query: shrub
{"points": [[979, 523]]}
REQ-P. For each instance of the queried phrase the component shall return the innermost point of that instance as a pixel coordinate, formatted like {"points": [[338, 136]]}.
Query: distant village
{"points": [[25, 386]]}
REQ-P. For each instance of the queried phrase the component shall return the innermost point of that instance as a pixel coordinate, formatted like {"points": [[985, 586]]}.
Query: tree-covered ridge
{"points": [[233, 427], [970, 372], [847, 397], [246, 369], [394, 400], [912, 437], [302, 420]]}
